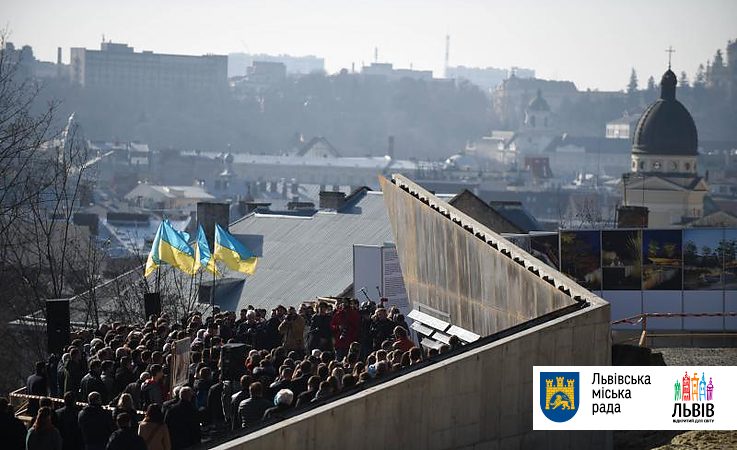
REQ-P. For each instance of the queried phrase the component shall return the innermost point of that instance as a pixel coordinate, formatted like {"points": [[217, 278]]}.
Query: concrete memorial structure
{"points": [[481, 397]]}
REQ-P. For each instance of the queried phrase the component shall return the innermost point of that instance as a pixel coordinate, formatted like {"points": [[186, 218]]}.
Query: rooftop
{"points": [[303, 257]]}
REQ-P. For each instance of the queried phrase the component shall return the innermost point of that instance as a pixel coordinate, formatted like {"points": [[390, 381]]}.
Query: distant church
{"points": [[663, 174]]}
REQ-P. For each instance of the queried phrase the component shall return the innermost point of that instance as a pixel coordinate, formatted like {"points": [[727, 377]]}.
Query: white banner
{"points": [[634, 398]]}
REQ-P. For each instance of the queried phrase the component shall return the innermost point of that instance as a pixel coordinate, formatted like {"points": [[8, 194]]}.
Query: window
{"points": [[674, 166], [656, 165], [642, 165], [688, 166], [634, 165]]}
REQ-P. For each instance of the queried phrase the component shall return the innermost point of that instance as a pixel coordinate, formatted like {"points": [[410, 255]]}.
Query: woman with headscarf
{"points": [[43, 435]]}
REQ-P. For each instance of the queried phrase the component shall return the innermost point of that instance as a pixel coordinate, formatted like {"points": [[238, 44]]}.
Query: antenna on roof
{"points": [[447, 54], [670, 52]]}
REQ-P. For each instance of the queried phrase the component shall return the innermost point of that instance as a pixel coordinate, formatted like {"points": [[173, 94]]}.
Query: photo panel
{"points": [[662, 258], [621, 259], [729, 246], [545, 248], [703, 259], [580, 257]]}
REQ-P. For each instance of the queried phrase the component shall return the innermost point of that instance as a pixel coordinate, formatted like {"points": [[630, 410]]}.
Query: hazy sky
{"points": [[591, 42]]}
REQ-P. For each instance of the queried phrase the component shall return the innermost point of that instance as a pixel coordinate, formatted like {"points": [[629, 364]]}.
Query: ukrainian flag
{"points": [[203, 257], [153, 261], [174, 249], [234, 254]]}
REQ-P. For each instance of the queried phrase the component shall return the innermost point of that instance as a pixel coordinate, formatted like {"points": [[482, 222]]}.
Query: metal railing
{"points": [[642, 320]]}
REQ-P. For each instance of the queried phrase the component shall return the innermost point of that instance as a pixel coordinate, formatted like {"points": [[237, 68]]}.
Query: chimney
{"points": [[58, 55], [250, 207], [332, 200], [390, 149], [300, 206], [209, 214], [632, 217]]}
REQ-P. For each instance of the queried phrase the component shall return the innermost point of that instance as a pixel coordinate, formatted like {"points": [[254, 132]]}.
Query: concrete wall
{"points": [[481, 399], [457, 271]]}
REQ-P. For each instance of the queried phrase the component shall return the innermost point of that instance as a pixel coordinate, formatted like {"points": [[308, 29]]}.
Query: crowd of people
{"points": [[124, 374]]}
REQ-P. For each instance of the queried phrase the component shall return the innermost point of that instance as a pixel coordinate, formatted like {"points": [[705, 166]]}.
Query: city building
{"points": [[487, 78], [623, 127], [663, 174], [238, 63], [155, 197], [117, 66], [387, 71]]}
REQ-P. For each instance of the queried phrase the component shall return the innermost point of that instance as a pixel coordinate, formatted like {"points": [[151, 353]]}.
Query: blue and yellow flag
{"points": [[234, 254], [203, 257], [153, 261], [175, 250]]}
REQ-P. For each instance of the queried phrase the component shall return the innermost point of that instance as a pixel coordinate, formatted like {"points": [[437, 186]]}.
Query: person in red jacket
{"points": [[401, 341], [346, 326]]}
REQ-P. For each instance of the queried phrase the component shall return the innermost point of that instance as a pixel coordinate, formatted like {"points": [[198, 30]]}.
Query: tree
{"points": [[683, 80], [41, 173], [651, 83], [700, 78], [21, 136], [632, 85]]}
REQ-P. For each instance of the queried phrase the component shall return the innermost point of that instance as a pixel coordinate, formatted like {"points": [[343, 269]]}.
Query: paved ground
{"points": [[678, 440], [698, 356]]}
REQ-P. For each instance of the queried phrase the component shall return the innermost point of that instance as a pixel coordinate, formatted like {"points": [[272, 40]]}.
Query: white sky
{"points": [[594, 43]]}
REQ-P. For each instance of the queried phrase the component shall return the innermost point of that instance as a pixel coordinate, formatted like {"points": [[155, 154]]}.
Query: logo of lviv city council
{"points": [[559, 395]]}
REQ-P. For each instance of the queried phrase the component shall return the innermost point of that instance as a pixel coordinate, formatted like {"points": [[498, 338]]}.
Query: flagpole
{"points": [[158, 274], [212, 295]]}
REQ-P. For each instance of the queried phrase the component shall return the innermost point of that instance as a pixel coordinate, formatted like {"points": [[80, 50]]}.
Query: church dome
{"points": [[538, 103], [666, 127]]}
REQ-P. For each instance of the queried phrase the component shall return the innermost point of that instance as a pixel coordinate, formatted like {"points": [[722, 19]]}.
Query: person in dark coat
{"points": [[320, 335], [166, 406], [12, 430], [124, 375], [126, 437], [73, 372], [152, 391], [95, 423], [183, 422], [92, 382], [252, 409], [236, 399], [215, 402], [61, 372], [37, 384], [283, 402], [67, 417], [382, 328], [313, 384], [272, 337]]}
